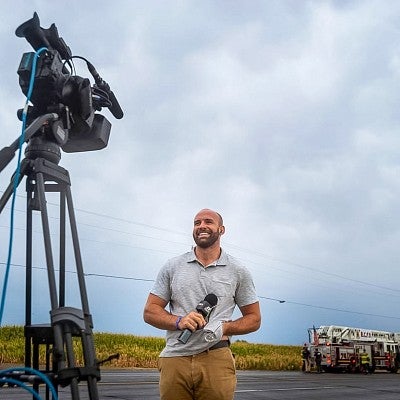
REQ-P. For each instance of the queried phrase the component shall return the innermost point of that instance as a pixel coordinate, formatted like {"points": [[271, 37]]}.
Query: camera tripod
{"points": [[43, 175]]}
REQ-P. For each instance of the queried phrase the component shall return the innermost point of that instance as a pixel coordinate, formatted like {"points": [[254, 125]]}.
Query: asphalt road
{"points": [[143, 384]]}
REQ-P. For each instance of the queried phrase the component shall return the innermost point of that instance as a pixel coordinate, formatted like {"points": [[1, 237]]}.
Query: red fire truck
{"points": [[344, 348]]}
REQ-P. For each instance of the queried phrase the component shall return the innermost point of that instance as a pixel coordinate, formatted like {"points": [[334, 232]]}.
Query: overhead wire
{"points": [[152, 249], [282, 301], [252, 252]]}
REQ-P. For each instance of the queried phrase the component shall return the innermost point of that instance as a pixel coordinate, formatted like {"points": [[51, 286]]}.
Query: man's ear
{"points": [[221, 230]]}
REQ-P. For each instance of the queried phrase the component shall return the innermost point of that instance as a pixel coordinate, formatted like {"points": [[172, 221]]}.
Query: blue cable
{"points": [[33, 372], [21, 385], [16, 178]]}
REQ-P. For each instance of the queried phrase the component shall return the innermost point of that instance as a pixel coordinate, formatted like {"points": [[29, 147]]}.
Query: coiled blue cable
{"points": [[21, 385], [32, 371]]}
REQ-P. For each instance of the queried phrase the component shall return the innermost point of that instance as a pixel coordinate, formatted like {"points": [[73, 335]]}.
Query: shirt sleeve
{"points": [[162, 286], [246, 291]]}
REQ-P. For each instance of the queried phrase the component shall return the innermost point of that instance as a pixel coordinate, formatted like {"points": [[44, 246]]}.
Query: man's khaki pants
{"points": [[210, 375]]}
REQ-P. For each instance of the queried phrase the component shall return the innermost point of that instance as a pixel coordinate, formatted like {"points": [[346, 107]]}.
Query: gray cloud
{"points": [[283, 116]]}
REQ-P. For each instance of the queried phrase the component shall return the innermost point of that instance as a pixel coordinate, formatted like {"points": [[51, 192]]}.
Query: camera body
{"points": [[54, 86], [56, 90]]}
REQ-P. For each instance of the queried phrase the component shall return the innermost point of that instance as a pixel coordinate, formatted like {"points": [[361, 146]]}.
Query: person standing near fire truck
{"points": [[305, 356], [318, 360], [364, 361]]}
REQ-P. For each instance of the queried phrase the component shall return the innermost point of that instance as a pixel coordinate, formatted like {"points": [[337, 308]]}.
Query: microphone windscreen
{"points": [[211, 299]]}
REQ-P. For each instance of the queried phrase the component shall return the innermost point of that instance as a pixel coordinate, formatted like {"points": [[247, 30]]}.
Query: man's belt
{"points": [[220, 345]]}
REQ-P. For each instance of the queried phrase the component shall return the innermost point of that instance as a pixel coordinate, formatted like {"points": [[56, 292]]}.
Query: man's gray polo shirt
{"points": [[184, 282]]}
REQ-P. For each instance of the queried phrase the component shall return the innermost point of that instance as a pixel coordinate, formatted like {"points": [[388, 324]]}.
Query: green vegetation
{"points": [[142, 352]]}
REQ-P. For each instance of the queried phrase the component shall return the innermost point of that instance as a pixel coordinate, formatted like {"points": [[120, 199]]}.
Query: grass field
{"points": [[142, 352]]}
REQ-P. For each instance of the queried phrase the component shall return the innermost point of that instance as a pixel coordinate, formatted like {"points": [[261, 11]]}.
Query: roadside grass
{"points": [[142, 352]]}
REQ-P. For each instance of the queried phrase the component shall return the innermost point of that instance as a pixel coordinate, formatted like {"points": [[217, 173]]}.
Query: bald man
{"points": [[202, 366]]}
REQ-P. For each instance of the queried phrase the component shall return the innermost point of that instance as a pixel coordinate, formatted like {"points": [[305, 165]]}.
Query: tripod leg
{"points": [[87, 335], [66, 322], [47, 240], [57, 328], [10, 188], [71, 362]]}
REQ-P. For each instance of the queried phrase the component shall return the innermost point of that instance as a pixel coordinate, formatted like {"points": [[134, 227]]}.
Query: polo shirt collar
{"points": [[222, 261]]}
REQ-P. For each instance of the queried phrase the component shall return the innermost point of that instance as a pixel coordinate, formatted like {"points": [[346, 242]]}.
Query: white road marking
{"points": [[285, 390]]}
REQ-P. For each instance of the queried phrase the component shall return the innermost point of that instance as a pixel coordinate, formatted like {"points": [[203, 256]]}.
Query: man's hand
{"points": [[192, 321]]}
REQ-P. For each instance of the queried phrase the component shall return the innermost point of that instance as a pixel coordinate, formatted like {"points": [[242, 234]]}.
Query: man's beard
{"points": [[206, 242]]}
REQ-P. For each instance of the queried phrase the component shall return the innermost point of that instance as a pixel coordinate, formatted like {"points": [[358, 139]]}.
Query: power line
{"points": [[250, 251], [340, 310], [318, 271], [328, 285], [128, 278], [118, 219], [281, 301]]}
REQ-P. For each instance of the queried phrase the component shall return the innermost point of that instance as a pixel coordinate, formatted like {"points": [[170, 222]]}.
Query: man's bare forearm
{"points": [[159, 317], [241, 326], [249, 322]]}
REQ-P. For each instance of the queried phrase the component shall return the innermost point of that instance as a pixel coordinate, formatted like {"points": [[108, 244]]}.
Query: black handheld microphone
{"points": [[204, 307]]}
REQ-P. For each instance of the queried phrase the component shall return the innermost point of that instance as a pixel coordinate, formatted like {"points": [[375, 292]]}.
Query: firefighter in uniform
{"points": [[318, 360], [364, 361]]}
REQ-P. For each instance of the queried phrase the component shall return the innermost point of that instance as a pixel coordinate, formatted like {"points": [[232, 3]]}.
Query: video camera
{"points": [[57, 90]]}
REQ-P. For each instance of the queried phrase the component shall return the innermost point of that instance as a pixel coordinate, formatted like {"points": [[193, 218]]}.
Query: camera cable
{"points": [[16, 178]]}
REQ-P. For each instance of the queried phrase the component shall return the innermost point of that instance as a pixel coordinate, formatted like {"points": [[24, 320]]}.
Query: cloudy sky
{"points": [[281, 115]]}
